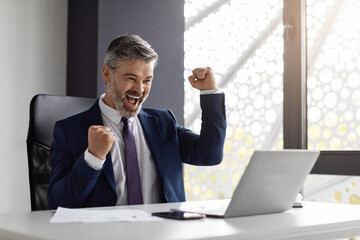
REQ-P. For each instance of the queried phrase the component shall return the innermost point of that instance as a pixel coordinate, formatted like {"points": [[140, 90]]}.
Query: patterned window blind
{"points": [[333, 40], [243, 42]]}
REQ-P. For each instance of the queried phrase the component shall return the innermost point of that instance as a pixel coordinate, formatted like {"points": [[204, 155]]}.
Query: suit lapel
{"points": [[93, 117], [152, 133]]}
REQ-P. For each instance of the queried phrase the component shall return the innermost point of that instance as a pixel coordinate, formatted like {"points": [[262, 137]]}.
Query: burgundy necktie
{"points": [[132, 166]]}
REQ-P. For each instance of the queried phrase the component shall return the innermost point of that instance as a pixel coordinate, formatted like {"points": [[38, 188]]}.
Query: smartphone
{"points": [[179, 215]]}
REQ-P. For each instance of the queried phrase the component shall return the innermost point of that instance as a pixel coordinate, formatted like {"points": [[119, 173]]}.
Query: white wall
{"points": [[32, 61]]}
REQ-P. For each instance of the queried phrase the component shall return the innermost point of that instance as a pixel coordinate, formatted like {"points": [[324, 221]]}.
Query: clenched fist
{"points": [[203, 79], [100, 140]]}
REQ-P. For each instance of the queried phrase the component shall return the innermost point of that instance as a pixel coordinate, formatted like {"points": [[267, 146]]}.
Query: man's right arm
{"points": [[72, 179]]}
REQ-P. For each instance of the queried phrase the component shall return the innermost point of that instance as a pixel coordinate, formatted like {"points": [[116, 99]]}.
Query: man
{"points": [[94, 159]]}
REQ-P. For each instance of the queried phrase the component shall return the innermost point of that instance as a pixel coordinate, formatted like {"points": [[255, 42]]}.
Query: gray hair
{"points": [[129, 47]]}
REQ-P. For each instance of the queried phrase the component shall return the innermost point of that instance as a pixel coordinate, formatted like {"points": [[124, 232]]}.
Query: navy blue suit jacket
{"points": [[74, 184]]}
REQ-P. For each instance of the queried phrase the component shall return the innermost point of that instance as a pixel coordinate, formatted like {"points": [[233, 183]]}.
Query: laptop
{"points": [[270, 184]]}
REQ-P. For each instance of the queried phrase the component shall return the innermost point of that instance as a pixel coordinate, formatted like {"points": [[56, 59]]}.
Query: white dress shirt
{"points": [[150, 183]]}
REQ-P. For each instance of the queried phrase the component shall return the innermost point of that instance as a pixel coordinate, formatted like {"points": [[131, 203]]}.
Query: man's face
{"points": [[128, 86]]}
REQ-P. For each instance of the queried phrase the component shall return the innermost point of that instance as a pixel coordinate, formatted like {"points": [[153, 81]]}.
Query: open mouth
{"points": [[132, 100]]}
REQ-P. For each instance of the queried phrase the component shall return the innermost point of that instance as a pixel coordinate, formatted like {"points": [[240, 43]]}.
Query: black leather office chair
{"points": [[45, 110]]}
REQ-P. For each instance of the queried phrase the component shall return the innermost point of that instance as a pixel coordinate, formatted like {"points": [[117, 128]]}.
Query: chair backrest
{"points": [[45, 110]]}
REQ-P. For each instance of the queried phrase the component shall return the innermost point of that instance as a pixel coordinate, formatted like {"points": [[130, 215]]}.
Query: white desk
{"points": [[314, 221]]}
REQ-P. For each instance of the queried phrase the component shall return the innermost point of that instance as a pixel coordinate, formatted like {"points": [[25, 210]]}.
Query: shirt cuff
{"points": [[212, 91], [93, 161]]}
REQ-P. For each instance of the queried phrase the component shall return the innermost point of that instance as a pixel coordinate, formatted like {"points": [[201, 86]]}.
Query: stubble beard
{"points": [[119, 99]]}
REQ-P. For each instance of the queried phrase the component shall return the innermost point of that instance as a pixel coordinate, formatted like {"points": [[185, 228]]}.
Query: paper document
{"points": [[65, 215]]}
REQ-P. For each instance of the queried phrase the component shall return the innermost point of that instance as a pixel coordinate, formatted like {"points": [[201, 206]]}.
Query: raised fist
{"points": [[100, 140]]}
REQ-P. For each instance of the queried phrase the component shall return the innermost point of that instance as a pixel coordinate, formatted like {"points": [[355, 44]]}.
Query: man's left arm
{"points": [[206, 148]]}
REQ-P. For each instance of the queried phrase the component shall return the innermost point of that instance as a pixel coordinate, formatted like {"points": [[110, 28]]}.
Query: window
{"points": [[243, 43], [333, 96], [288, 85]]}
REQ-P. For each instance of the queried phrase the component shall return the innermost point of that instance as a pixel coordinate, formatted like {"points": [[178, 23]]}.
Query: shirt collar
{"points": [[111, 113]]}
